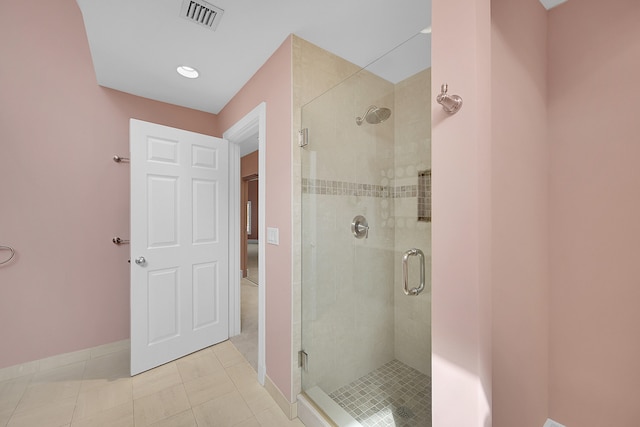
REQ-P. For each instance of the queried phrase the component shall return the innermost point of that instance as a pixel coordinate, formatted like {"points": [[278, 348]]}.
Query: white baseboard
{"points": [[551, 423], [289, 409], [59, 360]]}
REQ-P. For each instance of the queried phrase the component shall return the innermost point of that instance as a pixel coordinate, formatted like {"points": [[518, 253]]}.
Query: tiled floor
{"points": [[392, 395], [247, 341], [213, 387]]}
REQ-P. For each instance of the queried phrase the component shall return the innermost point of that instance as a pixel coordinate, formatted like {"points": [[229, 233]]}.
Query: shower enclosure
{"points": [[366, 243]]}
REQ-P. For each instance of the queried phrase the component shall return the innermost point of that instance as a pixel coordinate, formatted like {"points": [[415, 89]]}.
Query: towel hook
{"points": [[450, 103], [13, 252], [119, 159]]}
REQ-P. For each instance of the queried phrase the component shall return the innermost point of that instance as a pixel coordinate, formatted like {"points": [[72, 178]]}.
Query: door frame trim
{"points": [[235, 135]]}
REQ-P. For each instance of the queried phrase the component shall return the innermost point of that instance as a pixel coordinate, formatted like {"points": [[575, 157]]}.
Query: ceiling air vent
{"points": [[202, 13]]}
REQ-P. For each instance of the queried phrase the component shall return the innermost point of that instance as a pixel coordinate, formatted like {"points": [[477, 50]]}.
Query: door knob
{"points": [[141, 261]]}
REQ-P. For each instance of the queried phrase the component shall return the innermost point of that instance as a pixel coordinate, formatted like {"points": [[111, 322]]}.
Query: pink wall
{"points": [[272, 84], [594, 65], [62, 197], [461, 276], [519, 170]]}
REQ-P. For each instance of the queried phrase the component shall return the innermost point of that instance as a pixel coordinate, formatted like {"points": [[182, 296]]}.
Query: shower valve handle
{"points": [[363, 229], [360, 227]]}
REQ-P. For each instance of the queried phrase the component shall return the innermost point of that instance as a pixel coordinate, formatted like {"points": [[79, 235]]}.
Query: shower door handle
{"points": [[405, 272]]}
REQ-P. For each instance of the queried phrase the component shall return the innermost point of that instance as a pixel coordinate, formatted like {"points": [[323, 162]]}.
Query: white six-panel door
{"points": [[179, 243]]}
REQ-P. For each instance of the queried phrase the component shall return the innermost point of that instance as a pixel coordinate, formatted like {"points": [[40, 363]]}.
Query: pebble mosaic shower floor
{"points": [[394, 395]]}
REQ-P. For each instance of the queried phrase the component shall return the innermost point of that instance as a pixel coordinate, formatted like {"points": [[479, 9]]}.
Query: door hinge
{"points": [[303, 360], [303, 137]]}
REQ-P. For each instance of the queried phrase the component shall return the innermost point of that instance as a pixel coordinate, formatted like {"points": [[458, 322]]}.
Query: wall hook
{"points": [[119, 241], [450, 103], [10, 249], [119, 159]]}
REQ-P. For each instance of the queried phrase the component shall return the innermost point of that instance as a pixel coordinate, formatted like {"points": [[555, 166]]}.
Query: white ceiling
{"points": [[136, 45]]}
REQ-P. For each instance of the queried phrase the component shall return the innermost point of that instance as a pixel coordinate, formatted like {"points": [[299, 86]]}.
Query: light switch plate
{"points": [[273, 236]]}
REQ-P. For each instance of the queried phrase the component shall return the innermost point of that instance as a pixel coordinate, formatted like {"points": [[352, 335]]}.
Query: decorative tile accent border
{"points": [[343, 188]]}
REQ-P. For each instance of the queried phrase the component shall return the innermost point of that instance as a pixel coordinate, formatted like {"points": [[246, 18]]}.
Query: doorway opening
{"points": [[247, 341], [242, 135]]}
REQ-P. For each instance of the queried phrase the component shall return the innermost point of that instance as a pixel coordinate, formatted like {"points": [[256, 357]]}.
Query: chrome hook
{"points": [[450, 103], [119, 159], [10, 249], [119, 241]]}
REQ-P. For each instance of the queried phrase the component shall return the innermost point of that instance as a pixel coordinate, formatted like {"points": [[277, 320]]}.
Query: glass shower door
{"points": [[365, 202]]}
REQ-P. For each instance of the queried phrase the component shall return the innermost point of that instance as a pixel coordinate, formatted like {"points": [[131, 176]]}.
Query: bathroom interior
{"points": [[366, 217], [562, 167]]}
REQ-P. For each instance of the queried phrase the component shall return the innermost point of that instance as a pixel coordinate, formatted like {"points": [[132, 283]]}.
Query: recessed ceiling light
{"points": [[188, 72], [426, 30]]}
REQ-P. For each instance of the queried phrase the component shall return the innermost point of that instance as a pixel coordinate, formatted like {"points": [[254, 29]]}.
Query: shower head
{"points": [[374, 115]]}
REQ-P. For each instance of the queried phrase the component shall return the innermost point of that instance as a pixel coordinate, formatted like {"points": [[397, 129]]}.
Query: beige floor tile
{"points": [[106, 369], [53, 414], [228, 354], [242, 375], [209, 387], [11, 392], [256, 397], [160, 405], [4, 417], [155, 380], [183, 419], [213, 387], [227, 410], [45, 393], [274, 417], [102, 398], [251, 422], [247, 341], [198, 365], [52, 386], [119, 416]]}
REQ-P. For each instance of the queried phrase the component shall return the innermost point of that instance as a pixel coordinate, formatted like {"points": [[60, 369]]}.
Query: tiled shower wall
{"points": [[412, 155]]}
